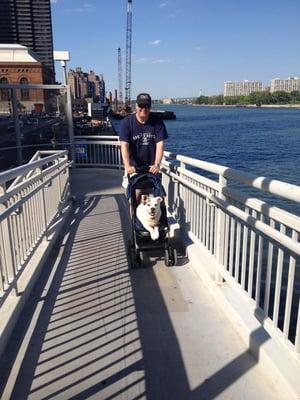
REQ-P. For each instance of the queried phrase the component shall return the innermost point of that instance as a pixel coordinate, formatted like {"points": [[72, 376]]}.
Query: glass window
{"points": [[24, 92], [4, 93]]}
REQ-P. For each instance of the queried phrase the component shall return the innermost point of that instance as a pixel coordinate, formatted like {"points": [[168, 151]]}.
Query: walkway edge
{"points": [[282, 370], [14, 305]]}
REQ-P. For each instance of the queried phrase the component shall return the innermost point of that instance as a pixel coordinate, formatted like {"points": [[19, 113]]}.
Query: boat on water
{"points": [[164, 114]]}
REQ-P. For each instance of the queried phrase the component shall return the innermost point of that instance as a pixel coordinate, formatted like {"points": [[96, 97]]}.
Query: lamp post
{"points": [[63, 57]]}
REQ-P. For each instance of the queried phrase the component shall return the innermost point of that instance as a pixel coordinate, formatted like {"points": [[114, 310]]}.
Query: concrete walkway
{"points": [[94, 329]]}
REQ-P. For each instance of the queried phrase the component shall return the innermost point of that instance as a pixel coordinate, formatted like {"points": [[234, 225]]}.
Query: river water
{"points": [[257, 140], [260, 141]]}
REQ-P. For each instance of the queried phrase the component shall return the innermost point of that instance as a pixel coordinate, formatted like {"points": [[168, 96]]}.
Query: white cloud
{"points": [[154, 42], [53, 1], [164, 4], [140, 60], [85, 7], [160, 61]]}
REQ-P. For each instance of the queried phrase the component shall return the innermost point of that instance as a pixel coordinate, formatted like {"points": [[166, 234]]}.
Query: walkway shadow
{"points": [[95, 328]]}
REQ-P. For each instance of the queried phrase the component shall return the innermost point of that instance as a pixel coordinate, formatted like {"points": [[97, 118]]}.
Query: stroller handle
{"points": [[141, 170]]}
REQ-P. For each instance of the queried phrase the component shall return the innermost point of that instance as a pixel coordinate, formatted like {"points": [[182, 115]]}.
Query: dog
{"points": [[149, 213]]}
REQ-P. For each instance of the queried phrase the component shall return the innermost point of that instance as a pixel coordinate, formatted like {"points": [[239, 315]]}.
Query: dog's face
{"points": [[151, 205]]}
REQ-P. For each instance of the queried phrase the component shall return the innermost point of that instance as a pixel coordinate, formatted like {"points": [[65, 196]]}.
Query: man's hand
{"points": [[130, 170], [154, 169]]}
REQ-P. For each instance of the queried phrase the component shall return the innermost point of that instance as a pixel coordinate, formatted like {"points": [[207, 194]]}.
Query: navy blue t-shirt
{"points": [[142, 138]]}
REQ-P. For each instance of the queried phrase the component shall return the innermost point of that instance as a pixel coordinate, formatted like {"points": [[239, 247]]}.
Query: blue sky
{"points": [[180, 47]]}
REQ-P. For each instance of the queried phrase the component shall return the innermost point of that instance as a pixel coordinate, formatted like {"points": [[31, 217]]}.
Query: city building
{"points": [[287, 85], [86, 85], [167, 100], [28, 22], [18, 64], [241, 87]]}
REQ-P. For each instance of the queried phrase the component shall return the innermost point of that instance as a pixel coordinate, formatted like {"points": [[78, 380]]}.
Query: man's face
{"points": [[142, 110]]}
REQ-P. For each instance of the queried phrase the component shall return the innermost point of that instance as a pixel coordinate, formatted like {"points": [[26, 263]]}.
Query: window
{"points": [[4, 93], [24, 92]]}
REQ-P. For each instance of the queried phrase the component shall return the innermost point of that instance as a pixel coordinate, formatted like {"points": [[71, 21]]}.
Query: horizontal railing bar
{"points": [[98, 165], [31, 86], [278, 188], [199, 178], [97, 137], [280, 239], [27, 146], [8, 175], [282, 216], [97, 142], [23, 185], [9, 210]]}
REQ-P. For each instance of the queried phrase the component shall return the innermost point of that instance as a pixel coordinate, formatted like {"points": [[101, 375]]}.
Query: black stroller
{"points": [[148, 183]]}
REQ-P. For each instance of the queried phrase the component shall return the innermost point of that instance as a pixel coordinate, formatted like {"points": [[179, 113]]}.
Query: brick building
{"points": [[85, 84], [20, 65]]}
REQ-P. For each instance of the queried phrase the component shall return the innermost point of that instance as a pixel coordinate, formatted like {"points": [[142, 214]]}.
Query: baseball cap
{"points": [[143, 98]]}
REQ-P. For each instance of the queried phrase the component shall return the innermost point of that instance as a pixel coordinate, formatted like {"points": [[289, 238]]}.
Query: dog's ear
{"points": [[144, 198], [159, 199]]}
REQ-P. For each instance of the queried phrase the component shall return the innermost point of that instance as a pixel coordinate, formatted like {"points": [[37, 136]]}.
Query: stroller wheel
{"points": [[133, 256], [170, 256], [168, 261], [174, 256]]}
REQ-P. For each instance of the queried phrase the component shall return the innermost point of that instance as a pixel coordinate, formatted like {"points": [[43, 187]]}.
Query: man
{"points": [[142, 137]]}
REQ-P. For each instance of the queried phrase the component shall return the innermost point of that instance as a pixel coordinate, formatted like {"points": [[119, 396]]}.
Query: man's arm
{"points": [[126, 157], [160, 146]]}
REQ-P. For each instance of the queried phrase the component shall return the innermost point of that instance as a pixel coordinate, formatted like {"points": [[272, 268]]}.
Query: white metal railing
{"points": [[31, 197], [256, 245], [97, 151]]}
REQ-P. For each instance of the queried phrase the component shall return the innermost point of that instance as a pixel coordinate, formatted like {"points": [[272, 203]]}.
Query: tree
{"points": [[295, 96], [282, 97]]}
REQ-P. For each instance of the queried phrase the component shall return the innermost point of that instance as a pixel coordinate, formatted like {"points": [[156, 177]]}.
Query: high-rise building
{"points": [[241, 88], [287, 85], [28, 22]]}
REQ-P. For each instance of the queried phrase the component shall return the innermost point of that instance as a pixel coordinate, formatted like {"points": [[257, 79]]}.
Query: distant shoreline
{"points": [[248, 105]]}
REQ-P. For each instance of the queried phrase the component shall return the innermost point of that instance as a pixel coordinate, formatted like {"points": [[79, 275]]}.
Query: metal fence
{"points": [[31, 197], [32, 114], [256, 245], [95, 151]]}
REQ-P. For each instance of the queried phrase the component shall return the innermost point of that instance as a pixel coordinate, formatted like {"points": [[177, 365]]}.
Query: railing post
{"points": [[220, 232], [43, 200], [297, 339], [9, 256], [17, 126], [181, 207]]}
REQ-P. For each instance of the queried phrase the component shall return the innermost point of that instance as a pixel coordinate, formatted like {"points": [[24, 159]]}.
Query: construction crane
{"points": [[120, 78], [128, 55]]}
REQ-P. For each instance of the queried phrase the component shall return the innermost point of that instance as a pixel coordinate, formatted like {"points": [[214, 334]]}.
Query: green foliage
{"points": [[295, 96], [258, 98]]}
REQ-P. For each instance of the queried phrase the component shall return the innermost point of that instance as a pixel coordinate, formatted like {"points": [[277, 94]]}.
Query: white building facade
{"points": [[286, 85], [242, 87]]}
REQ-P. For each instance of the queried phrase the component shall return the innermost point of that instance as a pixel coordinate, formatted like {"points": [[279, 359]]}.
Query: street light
{"points": [[62, 56]]}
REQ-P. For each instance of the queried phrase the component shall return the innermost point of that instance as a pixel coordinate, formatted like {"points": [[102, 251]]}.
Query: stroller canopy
{"points": [[145, 181]]}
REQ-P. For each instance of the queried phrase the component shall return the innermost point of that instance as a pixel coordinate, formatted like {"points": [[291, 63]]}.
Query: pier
{"points": [[77, 322]]}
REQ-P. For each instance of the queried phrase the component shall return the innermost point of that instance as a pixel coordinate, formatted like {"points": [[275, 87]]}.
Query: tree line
{"points": [[257, 98]]}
